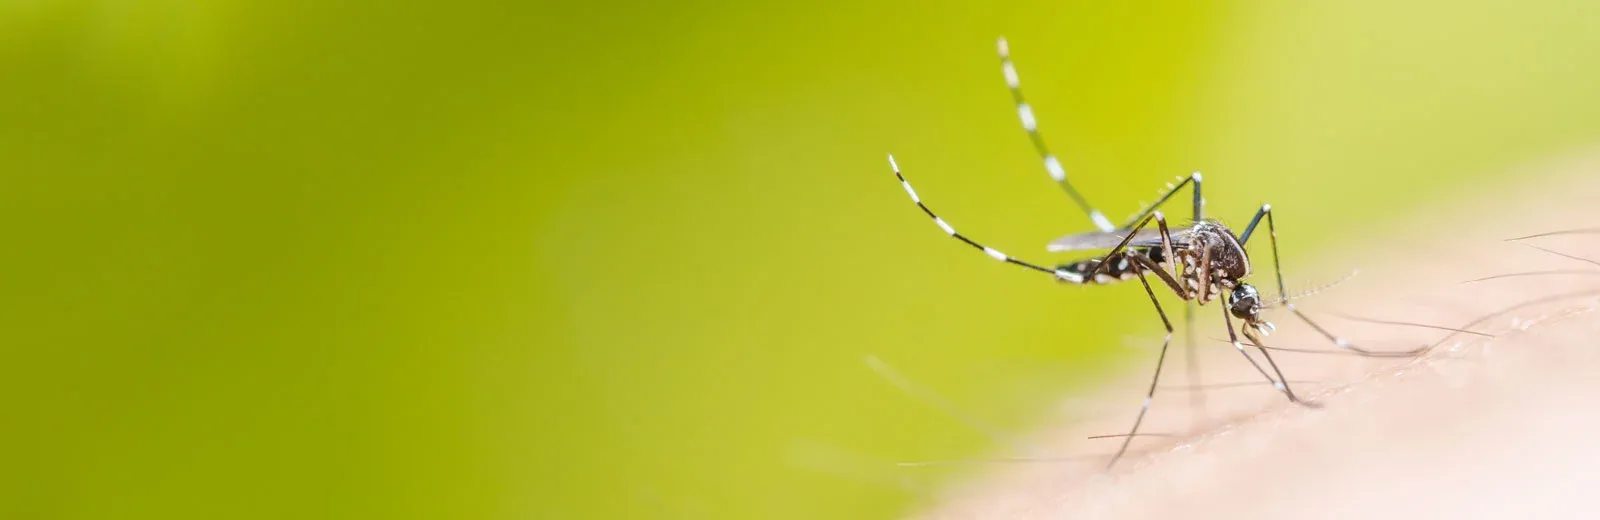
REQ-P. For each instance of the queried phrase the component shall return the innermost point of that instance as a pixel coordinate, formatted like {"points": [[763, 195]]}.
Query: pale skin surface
{"points": [[1481, 427]]}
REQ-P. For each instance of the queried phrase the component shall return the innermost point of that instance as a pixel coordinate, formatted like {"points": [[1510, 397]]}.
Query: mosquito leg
{"points": [[1256, 342], [1250, 229], [1123, 245], [1199, 201], [1166, 278], [1166, 243], [1058, 173], [1031, 125], [1173, 189], [1166, 246], [1053, 166], [1197, 400], [1144, 261], [1160, 359], [1149, 209], [1279, 381], [993, 253], [1277, 269]]}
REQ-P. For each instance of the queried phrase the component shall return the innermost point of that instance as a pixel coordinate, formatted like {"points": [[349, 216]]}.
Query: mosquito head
{"points": [[1247, 306]]}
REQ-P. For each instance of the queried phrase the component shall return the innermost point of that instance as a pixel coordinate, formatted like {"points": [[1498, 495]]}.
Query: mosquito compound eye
{"points": [[1241, 309], [1246, 292], [1246, 302]]}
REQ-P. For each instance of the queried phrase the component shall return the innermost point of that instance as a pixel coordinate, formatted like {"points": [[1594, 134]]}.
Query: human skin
{"points": [[1479, 427]]}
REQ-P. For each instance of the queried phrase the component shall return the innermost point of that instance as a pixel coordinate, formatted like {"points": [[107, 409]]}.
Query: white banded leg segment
{"points": [[1275, 383], [1025, 114], [910, 191], [1197, 400], [951, 230], [1155, 379], [1281, 382], [1172, 188], [1240, 347], [1030, 123], [1233, 338], [1059, 173], [1100, 221]]}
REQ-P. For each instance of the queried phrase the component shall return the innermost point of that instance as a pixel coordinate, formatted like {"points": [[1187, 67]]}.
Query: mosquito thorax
{"points": [[1227, 254]]}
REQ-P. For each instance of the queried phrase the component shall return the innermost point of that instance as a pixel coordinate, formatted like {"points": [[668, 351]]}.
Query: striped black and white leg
{"points": [[1281, 383], [1141, 265], [1052, 165], [1277, 269], [1197, 400], [1057, 172], [1154, 379], [1060, 274], [1166, 194], [1122, 247], [1129, 257], [1191, 360]]}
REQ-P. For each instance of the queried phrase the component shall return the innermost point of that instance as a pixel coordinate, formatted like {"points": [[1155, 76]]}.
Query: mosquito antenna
{"points": [[1315, 290], [1031, 125], [1579, 231], [1410, 324], [993, 253], [1535, 273]]}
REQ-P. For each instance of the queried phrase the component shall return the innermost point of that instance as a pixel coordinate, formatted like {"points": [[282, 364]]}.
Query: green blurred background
{"points": [[624, 260]]}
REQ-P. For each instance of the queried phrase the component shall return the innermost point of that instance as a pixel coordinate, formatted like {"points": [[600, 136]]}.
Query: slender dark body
{"points": [[1208, 241], [1120, 266]]}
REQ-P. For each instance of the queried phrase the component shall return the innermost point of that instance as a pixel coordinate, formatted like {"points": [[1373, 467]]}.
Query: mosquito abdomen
{"points": [[1119, 267]]}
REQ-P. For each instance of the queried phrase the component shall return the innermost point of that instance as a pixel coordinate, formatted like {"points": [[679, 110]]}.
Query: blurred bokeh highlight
{"points": [[625, 260]]}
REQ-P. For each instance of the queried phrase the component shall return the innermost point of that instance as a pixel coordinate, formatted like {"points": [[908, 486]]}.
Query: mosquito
{"points": [[1200, 263]]}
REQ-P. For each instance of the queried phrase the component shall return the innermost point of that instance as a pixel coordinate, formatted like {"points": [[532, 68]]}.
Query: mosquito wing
{"points": [[1110, 239]]}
